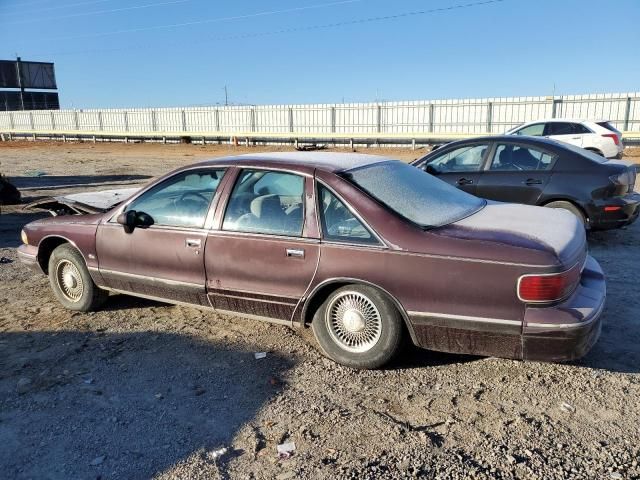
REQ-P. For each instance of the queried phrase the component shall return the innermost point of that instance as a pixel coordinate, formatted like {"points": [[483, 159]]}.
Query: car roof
{"points": [[327, 161], [572, 120], [506, 138]]}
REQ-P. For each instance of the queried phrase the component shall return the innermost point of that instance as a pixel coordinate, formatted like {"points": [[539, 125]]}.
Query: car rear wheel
{"points": [[359, 327], [571, 208], [70, 280]]}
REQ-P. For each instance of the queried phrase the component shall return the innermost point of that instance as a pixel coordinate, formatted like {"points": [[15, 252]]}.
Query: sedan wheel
{"points": [[353, 322], [70, 280], [358, 326]]}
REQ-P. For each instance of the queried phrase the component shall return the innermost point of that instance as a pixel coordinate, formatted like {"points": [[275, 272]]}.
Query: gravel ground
{"points": [[143, 390]]}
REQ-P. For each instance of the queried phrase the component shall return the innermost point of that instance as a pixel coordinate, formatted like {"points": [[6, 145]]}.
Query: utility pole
{"points": [[20, 82], [226, 96]]}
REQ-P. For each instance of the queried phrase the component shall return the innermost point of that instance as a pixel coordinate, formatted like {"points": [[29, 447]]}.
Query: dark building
{"points": [[21, 85]]}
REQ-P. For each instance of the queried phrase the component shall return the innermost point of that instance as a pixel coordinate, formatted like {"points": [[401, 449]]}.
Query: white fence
{"points": [[420, 119]]}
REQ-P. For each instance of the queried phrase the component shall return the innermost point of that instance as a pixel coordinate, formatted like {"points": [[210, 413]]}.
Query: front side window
{"points": [[266, 202], [180, 201], [510, 157], [338, 223], [535, 130], [463, 159]]}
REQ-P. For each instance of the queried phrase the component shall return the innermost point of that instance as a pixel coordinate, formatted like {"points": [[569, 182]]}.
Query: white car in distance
{"points": [[597, 136]]}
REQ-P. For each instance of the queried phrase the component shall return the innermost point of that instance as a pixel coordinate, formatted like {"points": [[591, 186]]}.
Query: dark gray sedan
{"points": [[539, 171]]}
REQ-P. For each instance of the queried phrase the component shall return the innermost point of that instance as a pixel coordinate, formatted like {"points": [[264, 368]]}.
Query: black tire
{"points": [[571, 208], [380, 322], [597, 152], [70, 280]]}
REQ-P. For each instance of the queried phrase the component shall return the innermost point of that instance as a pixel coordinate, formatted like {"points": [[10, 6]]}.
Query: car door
{"points": [[164, 260], [517, 172], [458, 166], [567, 132], [263, 253]]}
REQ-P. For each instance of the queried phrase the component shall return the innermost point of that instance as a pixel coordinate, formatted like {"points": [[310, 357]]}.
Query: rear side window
{"points": [[338, 223], [266, 202], [558, 128], [514, 158], [565, 128], [535, 130]]}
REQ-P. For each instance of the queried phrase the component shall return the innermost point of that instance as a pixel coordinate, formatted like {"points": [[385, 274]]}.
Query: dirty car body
{"points": [[326, 240]]}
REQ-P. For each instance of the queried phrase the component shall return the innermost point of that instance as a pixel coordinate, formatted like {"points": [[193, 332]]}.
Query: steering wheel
{"points": [[195, 194]]}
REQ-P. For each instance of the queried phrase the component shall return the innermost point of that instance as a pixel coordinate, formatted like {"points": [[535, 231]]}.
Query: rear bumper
{"points": [[28, 256], [626, 215], [567, 331]]}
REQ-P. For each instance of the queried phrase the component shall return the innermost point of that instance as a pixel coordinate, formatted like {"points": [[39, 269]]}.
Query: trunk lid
{"points": [[554, 231]]}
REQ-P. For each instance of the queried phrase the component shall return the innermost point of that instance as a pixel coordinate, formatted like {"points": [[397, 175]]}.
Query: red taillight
{"points": [[548, 288], [613, 136]]}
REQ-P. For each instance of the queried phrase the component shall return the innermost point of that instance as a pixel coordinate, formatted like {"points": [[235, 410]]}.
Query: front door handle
{"points": [[295, 252], [193, 242], [464, 181], [532, 181]]}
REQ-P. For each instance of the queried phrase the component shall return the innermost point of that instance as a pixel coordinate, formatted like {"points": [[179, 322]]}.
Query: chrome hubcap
{"points": [[69, 280], [354, 322]]}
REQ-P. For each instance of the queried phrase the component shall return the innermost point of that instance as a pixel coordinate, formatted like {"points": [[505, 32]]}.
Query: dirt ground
{"points": [[142, 389]]}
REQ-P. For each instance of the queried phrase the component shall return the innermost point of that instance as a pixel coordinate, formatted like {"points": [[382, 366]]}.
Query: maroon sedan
{"points": [[363, 249]]}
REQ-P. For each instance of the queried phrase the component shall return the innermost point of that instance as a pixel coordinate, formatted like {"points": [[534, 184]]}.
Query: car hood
{"points": [[554, 231], [83, 203]]}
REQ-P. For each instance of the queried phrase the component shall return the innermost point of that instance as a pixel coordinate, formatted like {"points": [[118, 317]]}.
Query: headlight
{"points": [[23, 237]]}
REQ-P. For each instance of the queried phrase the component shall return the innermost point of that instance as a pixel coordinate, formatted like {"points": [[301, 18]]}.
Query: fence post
{"points": [[53, 120], [11, 122], [126, 121], [627, 113], [75, 120], [378, 118], [217, 116], [554, 106], [252, 119], [100, 125], [489, 116], [31, 120], [431, 117], [154, 121], [333, 119], [184, 120], [290, 120]]}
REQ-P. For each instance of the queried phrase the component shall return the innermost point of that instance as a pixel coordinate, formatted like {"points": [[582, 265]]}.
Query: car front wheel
{"points": [[70, 280], [359, 327]]}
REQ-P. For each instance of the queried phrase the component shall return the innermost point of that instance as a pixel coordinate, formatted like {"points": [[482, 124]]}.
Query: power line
{"points": [[358, 21], [99, 12], [206, 21], [58, 7]]}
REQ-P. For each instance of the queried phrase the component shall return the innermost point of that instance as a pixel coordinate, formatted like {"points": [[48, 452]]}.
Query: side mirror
{"points": [[143, 220], [431, 169], [127, 220]]}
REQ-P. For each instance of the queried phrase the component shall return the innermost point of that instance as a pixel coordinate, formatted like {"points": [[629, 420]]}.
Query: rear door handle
{"points": [[193, 242], [464, 181], [532, 181], [295, 252]]}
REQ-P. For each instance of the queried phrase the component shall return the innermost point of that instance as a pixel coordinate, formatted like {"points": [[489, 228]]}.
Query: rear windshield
{"points": [[413, 194], [609, 127]]}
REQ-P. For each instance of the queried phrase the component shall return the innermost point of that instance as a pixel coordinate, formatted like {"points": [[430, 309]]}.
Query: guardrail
{"points": [[255, 138]]}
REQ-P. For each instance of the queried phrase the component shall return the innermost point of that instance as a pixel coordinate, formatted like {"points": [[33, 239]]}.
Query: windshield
{"points": [[413, 194]]}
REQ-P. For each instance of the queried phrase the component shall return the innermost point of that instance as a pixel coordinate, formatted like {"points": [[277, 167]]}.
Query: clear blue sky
{"points": [[508, 48]]}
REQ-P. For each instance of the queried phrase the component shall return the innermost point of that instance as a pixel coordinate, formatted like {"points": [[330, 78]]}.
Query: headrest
{"points": [[266, 204]]}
